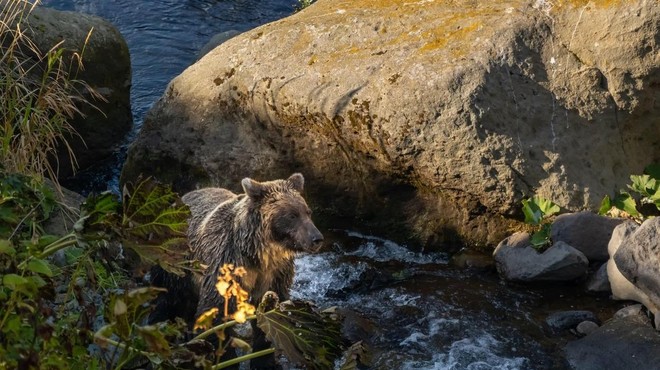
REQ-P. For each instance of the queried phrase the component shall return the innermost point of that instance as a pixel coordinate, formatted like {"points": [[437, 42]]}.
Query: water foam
{"points": [[474, 353], [383, 250]]}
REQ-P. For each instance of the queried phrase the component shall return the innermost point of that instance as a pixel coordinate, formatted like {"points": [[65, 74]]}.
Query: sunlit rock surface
{"points": [[428, 121]]}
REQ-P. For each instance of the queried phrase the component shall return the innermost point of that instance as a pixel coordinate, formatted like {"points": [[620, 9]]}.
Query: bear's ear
{"points": [[298, 181], [252, 188]]}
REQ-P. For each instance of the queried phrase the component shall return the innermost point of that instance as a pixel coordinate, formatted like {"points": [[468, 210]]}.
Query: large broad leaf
{"points": [[625, 202], [304, 335], [151, 221], [100, 213], [605, 206], [644, 185], [537, 208], [154, 340], [154, 225]]}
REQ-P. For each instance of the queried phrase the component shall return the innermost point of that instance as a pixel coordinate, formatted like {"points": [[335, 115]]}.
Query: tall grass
{"points": [[39, 95]]}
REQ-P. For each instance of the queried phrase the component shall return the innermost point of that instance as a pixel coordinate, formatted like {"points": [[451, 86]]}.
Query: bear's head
{"points": [[284, 213]]}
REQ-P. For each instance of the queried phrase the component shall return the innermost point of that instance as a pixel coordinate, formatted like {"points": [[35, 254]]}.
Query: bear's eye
{"points": [[292, 216]]}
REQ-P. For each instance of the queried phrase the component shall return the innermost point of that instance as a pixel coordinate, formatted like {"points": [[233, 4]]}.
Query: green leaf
{"points": [[104, 333], [99, 213], [537, 208], [548, 208], [644, 185], [40, 266], [36, 281], [541, 238], [305, 336], [625, 202], [6, 247], [154, 340], [154, 225], [13, 281], [138, 297], [605, 206], [533, 214]]}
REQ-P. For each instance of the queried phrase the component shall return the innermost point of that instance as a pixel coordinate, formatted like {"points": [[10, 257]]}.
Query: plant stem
{"points": [[122, 345], [222, 326], [249, 356], [53, 247], [60, 243]]}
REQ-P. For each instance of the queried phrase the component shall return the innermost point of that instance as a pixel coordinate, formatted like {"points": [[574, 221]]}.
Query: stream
{"points": [[417, 311]]}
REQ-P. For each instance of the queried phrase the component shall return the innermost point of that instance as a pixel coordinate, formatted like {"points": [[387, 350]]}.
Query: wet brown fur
{"points": [[260, 230]]}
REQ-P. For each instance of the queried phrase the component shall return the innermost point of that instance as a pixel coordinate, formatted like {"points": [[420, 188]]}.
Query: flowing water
{"points": [[417, 311]]}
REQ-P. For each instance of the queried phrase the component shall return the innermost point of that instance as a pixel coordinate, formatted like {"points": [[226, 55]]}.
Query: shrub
{"points": [[644, 202]]}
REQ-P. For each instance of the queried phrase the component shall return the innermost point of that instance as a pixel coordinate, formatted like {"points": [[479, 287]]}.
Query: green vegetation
{"points": [[302, 4], [537, 210], [47, 319], [62, 293], [39, 95], [641, 203], [645, 197]]}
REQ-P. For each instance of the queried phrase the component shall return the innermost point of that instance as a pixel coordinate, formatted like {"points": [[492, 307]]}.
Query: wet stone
{"points": [[565, 320]]}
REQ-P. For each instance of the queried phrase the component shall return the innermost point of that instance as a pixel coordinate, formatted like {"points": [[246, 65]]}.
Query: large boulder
{"points": [[516, 260], [637, 258], [585, 231], [625, 342], [433, 119], [107, 70]]}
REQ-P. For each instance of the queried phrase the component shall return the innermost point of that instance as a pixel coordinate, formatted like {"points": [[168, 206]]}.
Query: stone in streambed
{"points": [[516, 260]]}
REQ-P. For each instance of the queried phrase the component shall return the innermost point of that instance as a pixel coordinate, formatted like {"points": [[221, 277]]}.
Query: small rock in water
{"points": [[564, 320], [516, 260], [586, 327]]}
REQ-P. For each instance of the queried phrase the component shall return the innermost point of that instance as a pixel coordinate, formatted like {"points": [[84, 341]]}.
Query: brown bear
{"points": [[260, 230]]}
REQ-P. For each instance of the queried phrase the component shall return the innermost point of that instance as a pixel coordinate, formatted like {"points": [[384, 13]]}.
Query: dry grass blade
{"points": [[39, 96]]}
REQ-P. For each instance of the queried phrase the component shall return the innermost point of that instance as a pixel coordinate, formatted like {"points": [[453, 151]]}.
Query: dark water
{"points": [[425, 313], [419, 312], [164, 37]]}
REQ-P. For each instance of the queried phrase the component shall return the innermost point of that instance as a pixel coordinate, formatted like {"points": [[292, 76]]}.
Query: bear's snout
{"points": [[317, 240]]}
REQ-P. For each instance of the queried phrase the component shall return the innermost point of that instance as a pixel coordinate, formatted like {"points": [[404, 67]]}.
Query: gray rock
{"points": [[422, 121], [620, 344], [585, 231], [107, 69], [61, 221], [586, 327], [638, 259], [622, 288], [599, 282], [632, 310], [619, 235], [564, 320], [517, 261]]}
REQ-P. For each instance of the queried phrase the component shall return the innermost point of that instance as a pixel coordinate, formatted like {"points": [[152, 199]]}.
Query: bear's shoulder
{"points": [[208, 198]]}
